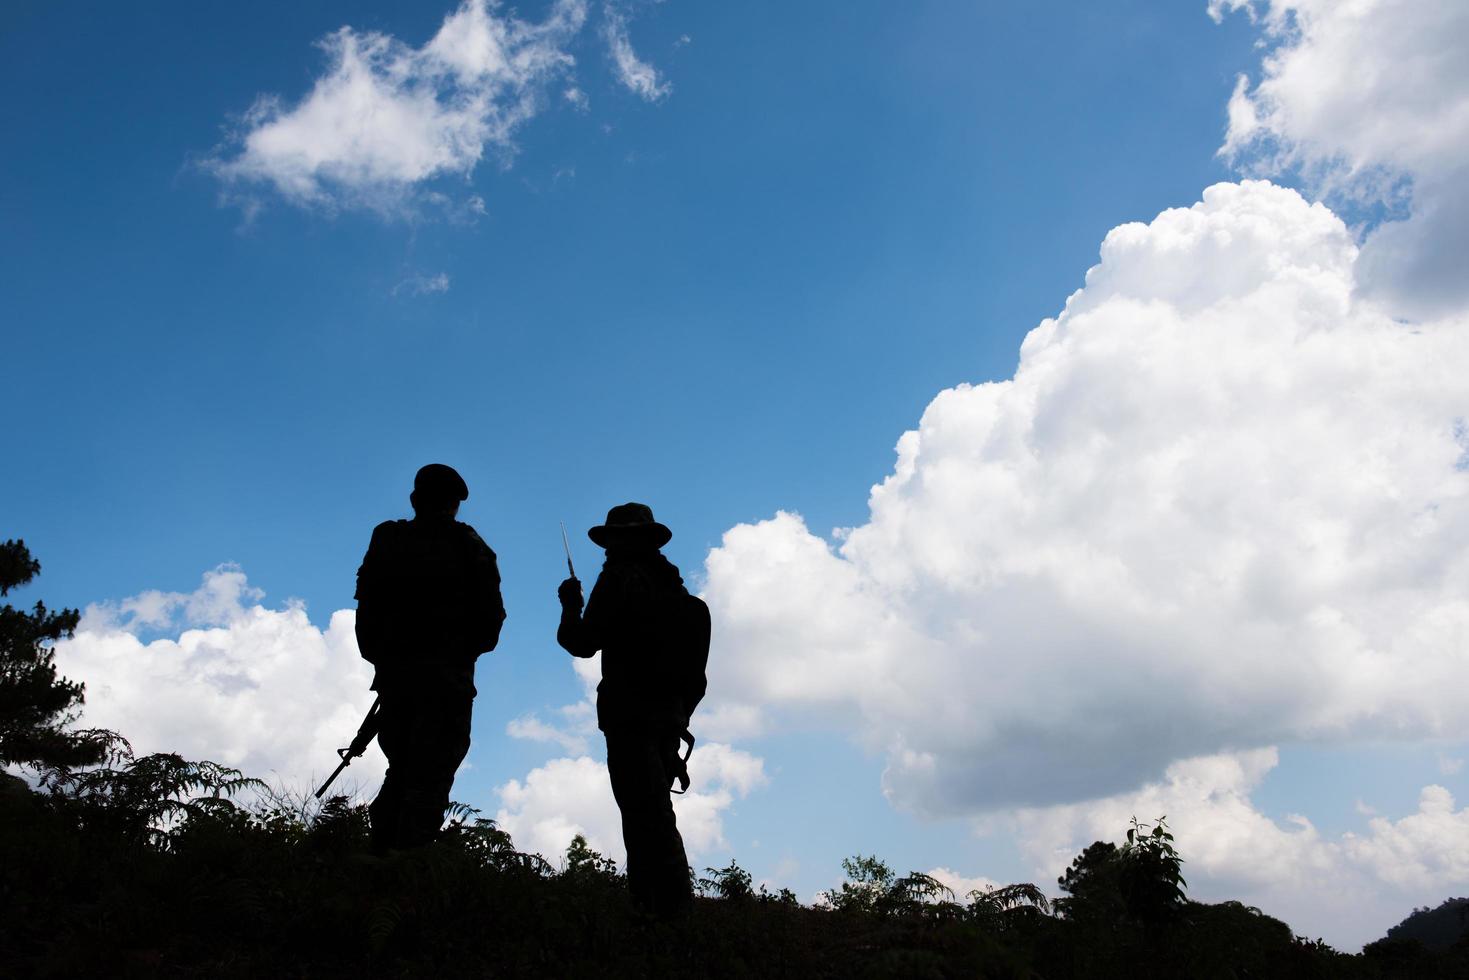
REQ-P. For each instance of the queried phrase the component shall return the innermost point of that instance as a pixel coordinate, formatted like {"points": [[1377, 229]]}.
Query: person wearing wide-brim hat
{"points": [[649, 687], [632, 525]]}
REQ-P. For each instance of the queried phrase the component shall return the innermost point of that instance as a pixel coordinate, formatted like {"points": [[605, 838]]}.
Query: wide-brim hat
{"points": [[630, 522]]}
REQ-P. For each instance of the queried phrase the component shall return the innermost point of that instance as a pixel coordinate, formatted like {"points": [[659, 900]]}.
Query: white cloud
{"points": [[1450, 766], [557, 801], [962, 885], [571, 796], [259, 689], [267, 692], [219, 599], [1426, 852], [1347, 889], [1364, 97], [387, 119], [634, 73], [532, 728], [1221, 504], [577, 98], [387, 116], [719, 775], [423, 285]]}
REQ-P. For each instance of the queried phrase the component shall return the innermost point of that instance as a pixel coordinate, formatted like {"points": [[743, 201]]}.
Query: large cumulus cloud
{"points": [[1222, 504], [215, 674], [1370, 99]]}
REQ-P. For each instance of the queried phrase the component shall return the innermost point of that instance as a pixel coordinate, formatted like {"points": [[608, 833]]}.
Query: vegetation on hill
{"points": [[1438, 928], [152, 867]]}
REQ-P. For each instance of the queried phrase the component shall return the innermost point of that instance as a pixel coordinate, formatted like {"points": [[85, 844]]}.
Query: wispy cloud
{"points": [[423, 285], [531, 728], [634, 73], [576, 98]]}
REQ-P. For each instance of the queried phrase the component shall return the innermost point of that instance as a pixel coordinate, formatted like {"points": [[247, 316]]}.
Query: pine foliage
{"points": [[37, 705]]}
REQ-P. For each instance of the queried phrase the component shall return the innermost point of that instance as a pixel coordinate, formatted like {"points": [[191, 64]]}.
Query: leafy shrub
{"points": [[732, 883], [868, 882], [152, 799], [583, 863], [490, 847], [1008, 907], [1141, 881]]}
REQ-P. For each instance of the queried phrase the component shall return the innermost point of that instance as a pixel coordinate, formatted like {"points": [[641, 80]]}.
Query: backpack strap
{"points": [[681, 764]]}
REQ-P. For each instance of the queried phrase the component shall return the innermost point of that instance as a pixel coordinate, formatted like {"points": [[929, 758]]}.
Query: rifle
{"points": [[365, 734]]}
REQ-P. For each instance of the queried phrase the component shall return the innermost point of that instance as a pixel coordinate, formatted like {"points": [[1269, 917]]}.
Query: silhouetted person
{"points": [[428, 604], [654, 639]]}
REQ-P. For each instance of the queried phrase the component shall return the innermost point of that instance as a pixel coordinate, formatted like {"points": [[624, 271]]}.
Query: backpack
{"points": [[691, 641]]}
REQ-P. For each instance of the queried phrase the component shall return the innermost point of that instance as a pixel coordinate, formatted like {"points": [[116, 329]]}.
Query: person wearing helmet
{"points": [[428, 604], [651, 681]]}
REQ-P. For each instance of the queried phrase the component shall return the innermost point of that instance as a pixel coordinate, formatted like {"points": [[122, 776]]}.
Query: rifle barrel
{"points": [[567, 545], [346, 761]]}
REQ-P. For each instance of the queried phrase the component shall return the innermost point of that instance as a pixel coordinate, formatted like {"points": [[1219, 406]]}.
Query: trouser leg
{"points": [[425, 736], [385, 811], [657, 865]]}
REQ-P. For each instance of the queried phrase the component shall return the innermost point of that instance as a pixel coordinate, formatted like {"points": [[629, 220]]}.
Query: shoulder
{"points": [[389, 531], [471, 536]]}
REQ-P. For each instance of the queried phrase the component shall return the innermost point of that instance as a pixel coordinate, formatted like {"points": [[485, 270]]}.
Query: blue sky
{"points": [[726, 294]]}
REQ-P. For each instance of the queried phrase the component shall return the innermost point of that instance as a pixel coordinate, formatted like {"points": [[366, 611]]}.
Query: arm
{"points": [[577, 634], [487, 607], [370, 626]]}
